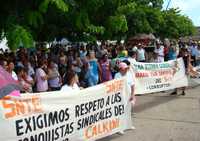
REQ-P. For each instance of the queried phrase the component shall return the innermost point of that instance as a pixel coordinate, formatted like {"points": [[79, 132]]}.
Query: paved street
{"points": [[161, 117]]}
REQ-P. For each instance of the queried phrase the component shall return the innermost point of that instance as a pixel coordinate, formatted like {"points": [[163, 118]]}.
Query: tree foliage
{"points": [[176, 25], [22, 22], [20, 19]]}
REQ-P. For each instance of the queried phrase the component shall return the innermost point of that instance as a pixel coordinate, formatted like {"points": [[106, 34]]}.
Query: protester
{"points": [[141, 55], [4, 64], [27, 65], [187, 62], [198, 56], [29, 80], [193, 51], [131, 75], [70, 82], [154, 58], [25, 81], [166, 49], [41, 77], [62, 64], [93, 72], [10, 70], [83, 52], [172, 52], [54, 78], [122, 52], [105, 69], [132, 57], [84, 74], [82, 59], [77, 64], [159, 50], [123, 72]]}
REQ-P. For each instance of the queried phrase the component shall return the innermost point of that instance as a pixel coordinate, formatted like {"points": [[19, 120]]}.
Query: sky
{"points": [[191, 8]]}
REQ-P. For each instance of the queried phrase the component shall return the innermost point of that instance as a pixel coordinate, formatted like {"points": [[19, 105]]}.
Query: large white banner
{"points": [[88, 114], [156, 77]]}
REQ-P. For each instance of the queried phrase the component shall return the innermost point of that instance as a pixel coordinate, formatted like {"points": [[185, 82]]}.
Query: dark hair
{"points": [[19, 69], [127, 62], [131, 53], [104, 55], [68, 76], [2, 62], [10, 61], [40, 63]]}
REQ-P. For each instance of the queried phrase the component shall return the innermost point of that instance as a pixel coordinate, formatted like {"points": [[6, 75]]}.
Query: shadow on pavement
{"points": [[154, 102]]}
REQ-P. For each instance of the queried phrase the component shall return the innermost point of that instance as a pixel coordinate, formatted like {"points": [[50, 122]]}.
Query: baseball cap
{"points": [[123, 65]]}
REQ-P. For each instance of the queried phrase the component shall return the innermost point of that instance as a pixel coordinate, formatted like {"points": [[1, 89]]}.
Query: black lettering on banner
{"points": [[158, 86], [56, 134], [66, 139], [96, 107], [158, 80], [61, 116], [28, 125], [119, 110], [88, 107], [77, 110], [47, 135], [55, 125], [116, 98], [53, 118], [18, 127], [39, 122], [108, 101], [94, 118], [41, 137], [62, 130], [53, 134], [34, 125], [69, 129]]}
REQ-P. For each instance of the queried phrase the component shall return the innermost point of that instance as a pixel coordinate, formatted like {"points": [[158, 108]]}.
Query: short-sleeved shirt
{"points": [[141, 54], [129, 79], [42, 85], [14, 76], [27, 85], [106, 72], [193, 50], [67, 88], [160, 52]]}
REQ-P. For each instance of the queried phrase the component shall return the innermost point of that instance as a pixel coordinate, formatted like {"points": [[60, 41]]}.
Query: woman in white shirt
{"points": [[70, 82], [141, 54], [159, 50]]}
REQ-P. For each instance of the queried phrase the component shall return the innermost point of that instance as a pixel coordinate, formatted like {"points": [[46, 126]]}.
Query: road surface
{"points": [[162, 117]]}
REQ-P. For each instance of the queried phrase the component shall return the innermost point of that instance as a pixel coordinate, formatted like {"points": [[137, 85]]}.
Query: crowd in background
{"points": [[82, 66]]}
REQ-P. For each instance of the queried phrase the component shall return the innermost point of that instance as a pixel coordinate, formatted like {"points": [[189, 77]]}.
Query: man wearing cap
{"points": [[124, 72]]}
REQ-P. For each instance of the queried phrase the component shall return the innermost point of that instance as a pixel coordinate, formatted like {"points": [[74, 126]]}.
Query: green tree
{"points": [[176, 25], [21, 19], [22, 22]]}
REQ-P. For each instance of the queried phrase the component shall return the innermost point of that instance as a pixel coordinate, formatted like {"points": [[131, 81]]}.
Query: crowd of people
{"points": [[80, 66]]}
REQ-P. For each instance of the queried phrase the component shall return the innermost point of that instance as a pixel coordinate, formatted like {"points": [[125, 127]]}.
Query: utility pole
{"points": [[168, 4]]}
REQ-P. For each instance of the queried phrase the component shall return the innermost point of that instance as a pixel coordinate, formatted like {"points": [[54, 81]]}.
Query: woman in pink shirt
{"points": [[41, 77]]}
